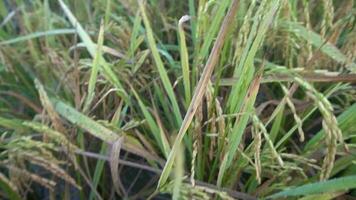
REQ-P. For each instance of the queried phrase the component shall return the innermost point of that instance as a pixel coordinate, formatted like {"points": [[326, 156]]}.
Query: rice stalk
{"points": [[200, 90]]}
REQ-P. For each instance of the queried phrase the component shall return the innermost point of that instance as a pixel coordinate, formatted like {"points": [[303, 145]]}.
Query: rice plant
{"points": [[230, 99]]}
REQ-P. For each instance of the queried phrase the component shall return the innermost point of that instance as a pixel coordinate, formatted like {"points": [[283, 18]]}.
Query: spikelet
{"points": [[8, 182], [301, 159], [262, 128], [198, 192], [296, 117], [212, 117], [221, 126], [34, 177], [350, 50], [333, 133], [332, 130], [25, 143], [221, 194], [306, 13], [47, 105], [257, 141], [52, 167], [244, 31], [193, 163], [196, 141], [52, 134], [328, 16]]}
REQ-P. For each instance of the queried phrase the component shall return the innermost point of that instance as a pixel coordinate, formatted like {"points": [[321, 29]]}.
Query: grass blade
{"points": [[332, 185], [107, 12], [80, 30], [160, 66], [94, 69], [184, 58], [38, 35], [98, 172], [155, 130]]}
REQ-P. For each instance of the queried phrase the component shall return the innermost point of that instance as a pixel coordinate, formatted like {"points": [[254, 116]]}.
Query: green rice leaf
{"points": [[86, 123], [184, 59], [155, 130], [94, 69], [333, 185], [38, 35], [317, 41], [160, 66]]}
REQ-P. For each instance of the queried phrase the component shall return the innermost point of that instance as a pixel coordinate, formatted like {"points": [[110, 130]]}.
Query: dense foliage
{"points": [[204, 99]]}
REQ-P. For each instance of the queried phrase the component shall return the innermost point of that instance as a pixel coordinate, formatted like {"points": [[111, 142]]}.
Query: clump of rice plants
{"points": [[159, 99]]}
